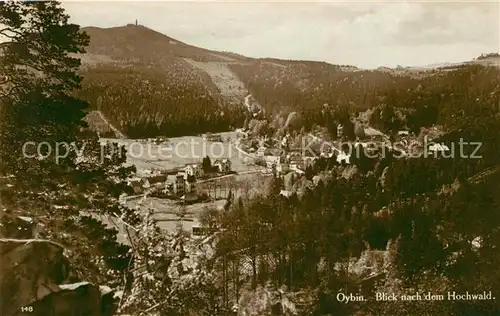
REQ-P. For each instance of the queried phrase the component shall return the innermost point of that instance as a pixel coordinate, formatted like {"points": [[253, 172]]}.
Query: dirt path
{"points": [[231, 175], [477, 178], [113, 128]]}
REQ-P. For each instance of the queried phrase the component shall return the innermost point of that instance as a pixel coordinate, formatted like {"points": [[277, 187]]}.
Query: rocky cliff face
{"points": [[32, 273]]}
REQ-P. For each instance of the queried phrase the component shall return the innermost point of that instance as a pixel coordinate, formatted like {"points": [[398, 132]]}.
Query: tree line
{"points": [[397, 101], [144, 102]]}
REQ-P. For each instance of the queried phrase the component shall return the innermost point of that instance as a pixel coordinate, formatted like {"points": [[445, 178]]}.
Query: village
{"points": [[181, 183], [205, 181]]}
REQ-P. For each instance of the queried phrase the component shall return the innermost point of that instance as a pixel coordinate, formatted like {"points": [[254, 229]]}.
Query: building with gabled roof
{"points": [[223, 165], [193, 170], [438, 148]]}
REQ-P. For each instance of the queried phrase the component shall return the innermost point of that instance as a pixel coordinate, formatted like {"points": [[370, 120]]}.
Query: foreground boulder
{"points": [[29, 270], [72, 299], [31, 275]]}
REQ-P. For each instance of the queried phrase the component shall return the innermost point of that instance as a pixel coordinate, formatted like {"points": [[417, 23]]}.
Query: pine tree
{"points": [[207, 164], [76, 179]]}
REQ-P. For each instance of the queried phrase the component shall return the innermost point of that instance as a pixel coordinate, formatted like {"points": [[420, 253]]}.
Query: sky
{"points": [[366, 34]]}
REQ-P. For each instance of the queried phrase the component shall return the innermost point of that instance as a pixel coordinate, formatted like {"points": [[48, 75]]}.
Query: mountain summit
{"points": [[143, 44]]}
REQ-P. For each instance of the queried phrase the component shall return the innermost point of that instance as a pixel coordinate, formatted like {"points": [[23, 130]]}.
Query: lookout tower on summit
{"points": [[133, 24]]}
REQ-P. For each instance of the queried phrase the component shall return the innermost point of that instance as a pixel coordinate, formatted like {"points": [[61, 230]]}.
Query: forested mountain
{"points": [[431, 98], [148, 84], [145, 85], [140, 81]]}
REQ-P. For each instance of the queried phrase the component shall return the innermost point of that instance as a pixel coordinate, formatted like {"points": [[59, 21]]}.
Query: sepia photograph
{"points": [[250, 158]]}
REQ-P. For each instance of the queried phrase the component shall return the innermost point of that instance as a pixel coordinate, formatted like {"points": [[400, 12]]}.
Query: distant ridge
{"points": [[147, 84]]}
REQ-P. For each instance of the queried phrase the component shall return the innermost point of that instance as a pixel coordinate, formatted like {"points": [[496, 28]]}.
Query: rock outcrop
{"points": [[32, 272]]}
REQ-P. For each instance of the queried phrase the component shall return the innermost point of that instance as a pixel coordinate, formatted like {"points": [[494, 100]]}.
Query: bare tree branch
{"points": [[10, 92], [16, 33]]}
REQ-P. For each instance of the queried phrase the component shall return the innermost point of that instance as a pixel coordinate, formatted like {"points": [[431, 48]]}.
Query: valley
{"points": [[190, 181]]}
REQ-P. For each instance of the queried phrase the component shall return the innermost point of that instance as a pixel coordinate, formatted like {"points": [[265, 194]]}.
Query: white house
{"points": [[193, 170], [343, 157], [224, 165], [438, 148]]}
